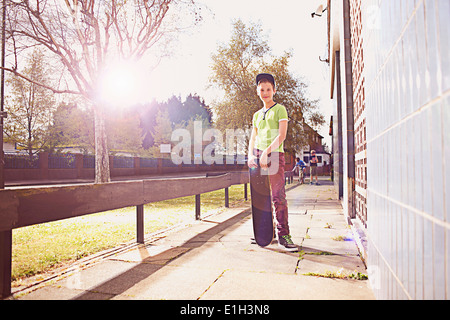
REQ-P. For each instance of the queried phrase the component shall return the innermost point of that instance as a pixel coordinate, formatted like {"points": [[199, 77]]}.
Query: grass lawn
{"points": [[40, 248]]}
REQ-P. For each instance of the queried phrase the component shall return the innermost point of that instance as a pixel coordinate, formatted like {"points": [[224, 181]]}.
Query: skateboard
{"points": [[261, 206]]}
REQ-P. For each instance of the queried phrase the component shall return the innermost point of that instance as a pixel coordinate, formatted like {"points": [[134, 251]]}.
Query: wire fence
{"points": [[69, 161], [61, 161]]}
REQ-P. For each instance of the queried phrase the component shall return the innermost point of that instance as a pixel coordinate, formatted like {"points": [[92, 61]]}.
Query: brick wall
{"points": [[359, 110]]}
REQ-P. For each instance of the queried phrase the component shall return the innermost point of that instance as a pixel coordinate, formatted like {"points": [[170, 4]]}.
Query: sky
{"points": [[287, 23]]}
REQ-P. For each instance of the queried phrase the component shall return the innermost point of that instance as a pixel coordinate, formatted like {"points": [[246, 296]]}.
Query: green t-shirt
{"points": [[268, 123]]}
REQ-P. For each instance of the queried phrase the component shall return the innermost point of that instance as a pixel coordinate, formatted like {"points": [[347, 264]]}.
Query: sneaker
{"points": [[286, 243]]}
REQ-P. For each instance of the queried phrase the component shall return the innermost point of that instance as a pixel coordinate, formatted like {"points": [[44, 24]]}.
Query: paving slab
{"points": [[335, 264], [171, 283], [262, 286]]}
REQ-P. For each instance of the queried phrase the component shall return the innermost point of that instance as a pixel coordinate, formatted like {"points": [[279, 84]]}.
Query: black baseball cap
{"points": [[266, 76]]}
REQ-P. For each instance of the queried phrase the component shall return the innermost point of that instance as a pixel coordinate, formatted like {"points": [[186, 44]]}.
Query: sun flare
{"points": [[121, 84]]}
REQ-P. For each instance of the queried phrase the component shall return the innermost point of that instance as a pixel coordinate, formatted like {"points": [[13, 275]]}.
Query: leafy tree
{"points": [[196, 108], [179, 114], [175, 110], [124, 132], [73, 126], [193, 107], [30, 106], [162, 134], [234, 69], [147, 115]]}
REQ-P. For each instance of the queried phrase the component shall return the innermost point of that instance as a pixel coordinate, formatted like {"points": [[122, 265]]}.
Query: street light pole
{"points": [[2, 97], [5, 236]]}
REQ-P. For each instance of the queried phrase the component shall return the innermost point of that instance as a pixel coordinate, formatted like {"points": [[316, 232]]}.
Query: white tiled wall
{"points": [[407, 70]]}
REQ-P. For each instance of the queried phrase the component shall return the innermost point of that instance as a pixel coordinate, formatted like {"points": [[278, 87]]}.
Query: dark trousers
{"points": [[276, 178]]}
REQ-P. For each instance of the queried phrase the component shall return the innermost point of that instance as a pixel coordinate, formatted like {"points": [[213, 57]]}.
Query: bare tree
{"points": [[83, 36]]}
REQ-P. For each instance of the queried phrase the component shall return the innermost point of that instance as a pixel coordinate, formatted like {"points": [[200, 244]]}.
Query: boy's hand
{"points": [[252, 162], [263, 160]]}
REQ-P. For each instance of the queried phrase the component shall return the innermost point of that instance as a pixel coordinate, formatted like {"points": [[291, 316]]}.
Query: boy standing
{"points": [[313, 167], [268, 134]]}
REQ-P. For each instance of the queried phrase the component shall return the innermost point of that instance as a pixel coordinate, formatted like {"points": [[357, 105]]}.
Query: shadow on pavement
{"points": [[129, 278]]}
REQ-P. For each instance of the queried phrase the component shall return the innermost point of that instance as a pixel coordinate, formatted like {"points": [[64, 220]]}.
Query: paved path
{"points": [[214, 259]]}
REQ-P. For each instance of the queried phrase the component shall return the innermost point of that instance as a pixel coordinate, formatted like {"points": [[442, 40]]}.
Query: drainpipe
{"points": [[349, 111]]}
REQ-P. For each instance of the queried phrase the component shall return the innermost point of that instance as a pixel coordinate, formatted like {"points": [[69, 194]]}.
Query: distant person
{"points": [[300, 166], [313, 167]]}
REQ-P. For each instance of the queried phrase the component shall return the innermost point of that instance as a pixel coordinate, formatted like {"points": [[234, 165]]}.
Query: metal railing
{"points": [[30, 206], [67, 166], [61, 161], [22, 161]]}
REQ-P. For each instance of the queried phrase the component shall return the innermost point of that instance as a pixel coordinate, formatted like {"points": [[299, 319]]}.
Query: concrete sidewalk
{"points": [[214, 260]]}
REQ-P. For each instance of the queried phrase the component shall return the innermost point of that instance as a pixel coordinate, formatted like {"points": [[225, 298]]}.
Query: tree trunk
{"points": [[102, 174]]}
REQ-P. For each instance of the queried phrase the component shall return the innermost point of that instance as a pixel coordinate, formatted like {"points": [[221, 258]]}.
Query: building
{"points": [[8, 146], [389, 83], [315, 143]]}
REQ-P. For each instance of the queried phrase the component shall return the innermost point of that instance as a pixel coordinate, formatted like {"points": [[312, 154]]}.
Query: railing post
{"points": [[43, 165], [140, 223], [197, 207], [5, 263], [137, 166], [245, 192], [227, 199], [79, 165]]}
